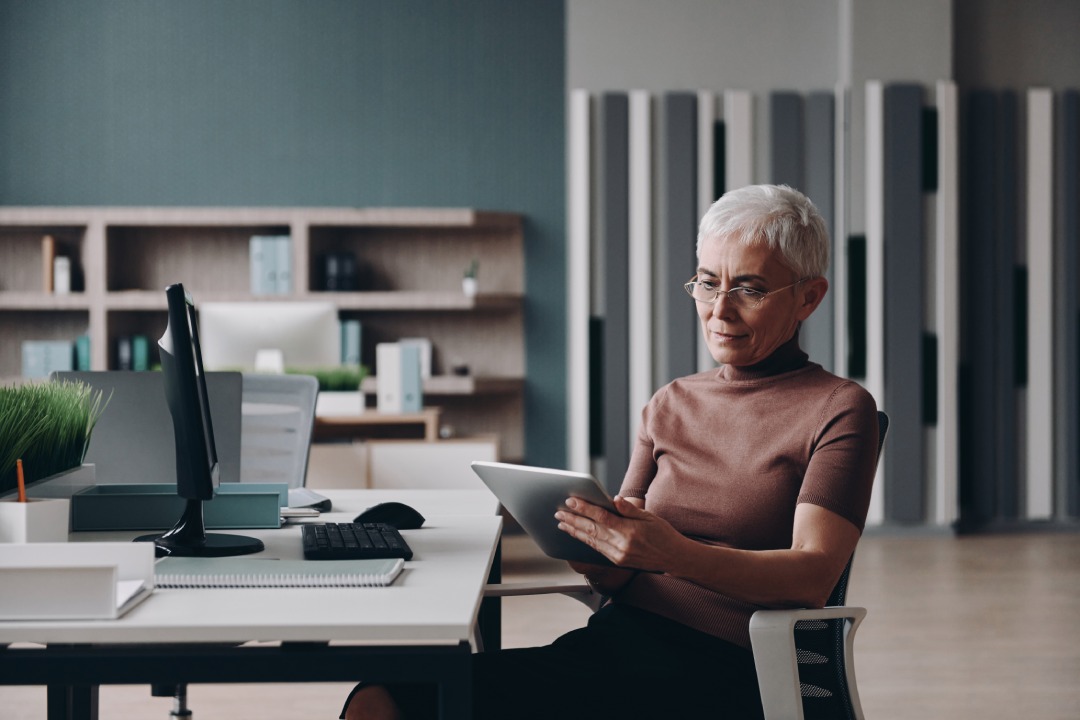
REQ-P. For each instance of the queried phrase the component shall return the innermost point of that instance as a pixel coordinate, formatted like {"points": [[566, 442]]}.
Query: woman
{"points": [[747, 489]]}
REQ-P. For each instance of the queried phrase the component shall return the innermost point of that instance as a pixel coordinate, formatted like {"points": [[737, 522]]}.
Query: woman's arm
{"points": [[800, 576]]}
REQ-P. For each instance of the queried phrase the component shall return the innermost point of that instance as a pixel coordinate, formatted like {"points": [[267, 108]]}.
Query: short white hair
{"points": [[774, 215]]}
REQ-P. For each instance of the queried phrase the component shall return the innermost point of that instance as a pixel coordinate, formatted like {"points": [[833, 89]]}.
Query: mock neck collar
{"points": [[785, 358]]}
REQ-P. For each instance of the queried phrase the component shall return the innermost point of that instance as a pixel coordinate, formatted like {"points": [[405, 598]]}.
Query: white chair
{"points": [[278, 415]]}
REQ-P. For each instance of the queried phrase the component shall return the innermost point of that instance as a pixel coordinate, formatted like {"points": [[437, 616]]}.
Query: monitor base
{"points": [[213, 545]]}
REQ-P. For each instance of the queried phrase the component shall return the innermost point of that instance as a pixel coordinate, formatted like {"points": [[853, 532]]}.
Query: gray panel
{"points": [[133, 442], [1003, 281], [678, 221], [613, 225], [979, 471], [905, 499], [819, 185], [786, 139], [1068, 304]]}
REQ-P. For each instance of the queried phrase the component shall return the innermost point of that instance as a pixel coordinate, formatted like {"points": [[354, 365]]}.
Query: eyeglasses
{"points": [[744, 298]]}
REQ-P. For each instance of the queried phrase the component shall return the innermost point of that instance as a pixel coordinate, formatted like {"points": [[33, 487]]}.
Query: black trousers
{"points": [[626, 663]]}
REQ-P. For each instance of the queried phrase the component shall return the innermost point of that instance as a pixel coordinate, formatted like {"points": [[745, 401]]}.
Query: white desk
{"points": [[419, 626]]}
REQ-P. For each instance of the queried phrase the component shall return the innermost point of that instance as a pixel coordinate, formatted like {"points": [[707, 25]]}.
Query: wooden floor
{"points": [[972, 628]]}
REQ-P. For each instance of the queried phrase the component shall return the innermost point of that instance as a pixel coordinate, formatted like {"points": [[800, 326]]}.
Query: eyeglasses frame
{"points": [[688, 286]]}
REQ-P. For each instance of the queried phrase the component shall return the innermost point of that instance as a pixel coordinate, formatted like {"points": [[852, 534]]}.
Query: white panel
{"points": [[1039, 463], [738, 138], [875, 271], [640, 279], [707, 194], [947, 308], [577, 282]]}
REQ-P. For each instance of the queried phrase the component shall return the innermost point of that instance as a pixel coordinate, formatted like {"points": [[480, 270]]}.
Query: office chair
{"points": [[278, 416], [804, 657]]}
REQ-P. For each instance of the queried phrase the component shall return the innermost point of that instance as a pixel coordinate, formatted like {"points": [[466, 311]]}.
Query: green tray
{"points": [[152, 506]]}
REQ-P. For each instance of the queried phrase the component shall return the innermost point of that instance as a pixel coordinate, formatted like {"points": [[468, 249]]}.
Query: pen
{"points": [[21, 480]]}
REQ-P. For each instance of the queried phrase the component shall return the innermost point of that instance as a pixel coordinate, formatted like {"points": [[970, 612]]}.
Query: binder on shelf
{"points": [[263, 264], [351, 333], [124, 353], [41, 357], [283, 264], [74, 581], [398, 383], [255, 572], [62, 275], [423, 346]]}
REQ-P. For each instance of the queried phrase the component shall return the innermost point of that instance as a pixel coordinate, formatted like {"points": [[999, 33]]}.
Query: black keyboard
{"points": [[353, 541]]}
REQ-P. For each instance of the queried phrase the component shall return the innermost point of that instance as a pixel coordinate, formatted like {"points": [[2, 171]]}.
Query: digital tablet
{"points": [[532, 495]]}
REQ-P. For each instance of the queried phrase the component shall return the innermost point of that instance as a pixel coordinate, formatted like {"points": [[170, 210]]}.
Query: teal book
{"points": [[283, 264], [350, 342], [82, 353], [140, 353], [257, 572]]}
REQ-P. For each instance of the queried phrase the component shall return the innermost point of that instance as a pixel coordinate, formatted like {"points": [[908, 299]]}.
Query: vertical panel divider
{"points": [[640, 278], [707, 193], [578, 272], [874, 380]]}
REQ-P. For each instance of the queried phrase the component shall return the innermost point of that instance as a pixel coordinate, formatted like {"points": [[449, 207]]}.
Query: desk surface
{"points": [[434, 601]]}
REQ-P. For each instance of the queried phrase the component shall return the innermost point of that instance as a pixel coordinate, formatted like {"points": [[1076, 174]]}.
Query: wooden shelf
{"points": [[410, 260]]}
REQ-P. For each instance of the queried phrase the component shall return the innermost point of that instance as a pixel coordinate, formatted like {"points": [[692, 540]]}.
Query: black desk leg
{"points": [[73, 702], [455, 690], [490, 620]]}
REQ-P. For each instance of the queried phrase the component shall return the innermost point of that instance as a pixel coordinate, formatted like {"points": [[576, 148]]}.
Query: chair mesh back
{"points": [[819, 647]]}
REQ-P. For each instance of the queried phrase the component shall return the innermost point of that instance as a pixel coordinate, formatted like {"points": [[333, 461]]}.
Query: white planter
{"points": [[331, 404], [36, 520], [468, 286]]}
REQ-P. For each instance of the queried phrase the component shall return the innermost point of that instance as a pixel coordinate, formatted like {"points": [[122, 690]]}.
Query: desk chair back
{"points": [[820, 648], [277, 422]]}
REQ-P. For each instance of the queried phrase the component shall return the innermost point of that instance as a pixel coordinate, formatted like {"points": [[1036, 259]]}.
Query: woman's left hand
{"points": [[635, 538]]}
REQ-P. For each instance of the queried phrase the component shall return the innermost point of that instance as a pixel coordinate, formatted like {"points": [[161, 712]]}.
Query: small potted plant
{"points": [[468, 283]]}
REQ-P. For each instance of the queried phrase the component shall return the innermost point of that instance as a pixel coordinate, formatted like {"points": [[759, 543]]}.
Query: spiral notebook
{"points": [[189, 572]]}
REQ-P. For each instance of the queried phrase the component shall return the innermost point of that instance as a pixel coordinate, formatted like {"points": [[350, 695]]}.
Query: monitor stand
{"points": [[188, 538]]}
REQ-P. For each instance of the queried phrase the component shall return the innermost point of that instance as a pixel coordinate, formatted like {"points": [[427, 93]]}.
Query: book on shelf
{"points": [[48, 256], [82, 353], [351, 333], [270, 258], [423, 347], [190, 572], [42, 357], [140, 353]]}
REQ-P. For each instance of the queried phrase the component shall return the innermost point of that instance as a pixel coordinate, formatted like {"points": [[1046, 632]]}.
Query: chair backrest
{"points": [[819, 646], [278, 415]]}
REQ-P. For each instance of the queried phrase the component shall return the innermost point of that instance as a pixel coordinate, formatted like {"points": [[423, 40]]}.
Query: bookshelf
{"points": [[410, 260]]}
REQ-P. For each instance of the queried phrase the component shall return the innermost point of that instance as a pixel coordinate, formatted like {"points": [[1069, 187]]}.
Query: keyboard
{"points": [[353, 541]]}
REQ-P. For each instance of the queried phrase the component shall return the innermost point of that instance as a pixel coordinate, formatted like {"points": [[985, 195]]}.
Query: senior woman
{"points": [[747, 488]]}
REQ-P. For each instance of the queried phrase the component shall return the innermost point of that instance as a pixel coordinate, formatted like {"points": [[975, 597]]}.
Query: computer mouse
{"points": [[400, 515]]}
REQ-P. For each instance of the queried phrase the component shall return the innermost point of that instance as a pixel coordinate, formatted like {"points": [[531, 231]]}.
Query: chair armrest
{"points": [[579, 591], [773, 641]]}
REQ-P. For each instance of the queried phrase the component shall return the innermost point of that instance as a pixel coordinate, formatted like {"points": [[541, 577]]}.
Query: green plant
{"points": [[48, 426], [474, 266], [346, 378]]}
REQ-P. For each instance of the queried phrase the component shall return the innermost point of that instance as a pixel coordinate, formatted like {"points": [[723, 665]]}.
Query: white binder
{"points": [[398, 378]]}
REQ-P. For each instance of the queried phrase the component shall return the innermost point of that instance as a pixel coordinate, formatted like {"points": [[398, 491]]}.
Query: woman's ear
{"points": [[812, 292]]}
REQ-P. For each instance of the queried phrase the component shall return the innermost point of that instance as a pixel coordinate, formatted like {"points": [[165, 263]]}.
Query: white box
{"points": [[62, 275], [34, 521], [74, 581]]}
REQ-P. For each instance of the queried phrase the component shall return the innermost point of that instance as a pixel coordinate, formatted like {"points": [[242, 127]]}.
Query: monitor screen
{"points": [[304, 335], [197, 469]]}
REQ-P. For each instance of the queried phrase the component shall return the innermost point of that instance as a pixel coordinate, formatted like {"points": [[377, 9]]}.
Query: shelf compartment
{"points": [[204, 258], [21, 261], [19, 325], [450, 385]]}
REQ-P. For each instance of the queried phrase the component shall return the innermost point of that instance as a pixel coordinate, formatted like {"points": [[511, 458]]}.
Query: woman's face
{"points": [[741, 336]]}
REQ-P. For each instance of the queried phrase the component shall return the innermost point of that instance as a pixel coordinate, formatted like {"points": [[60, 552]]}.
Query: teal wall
{"points": [[303, 102]]}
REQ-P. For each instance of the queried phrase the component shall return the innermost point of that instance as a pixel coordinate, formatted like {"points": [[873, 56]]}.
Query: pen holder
{"points": [[36, 520]]}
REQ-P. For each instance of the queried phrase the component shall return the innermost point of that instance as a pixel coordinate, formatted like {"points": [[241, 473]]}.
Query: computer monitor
{"points": [[197, 468], [302, 334]]}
